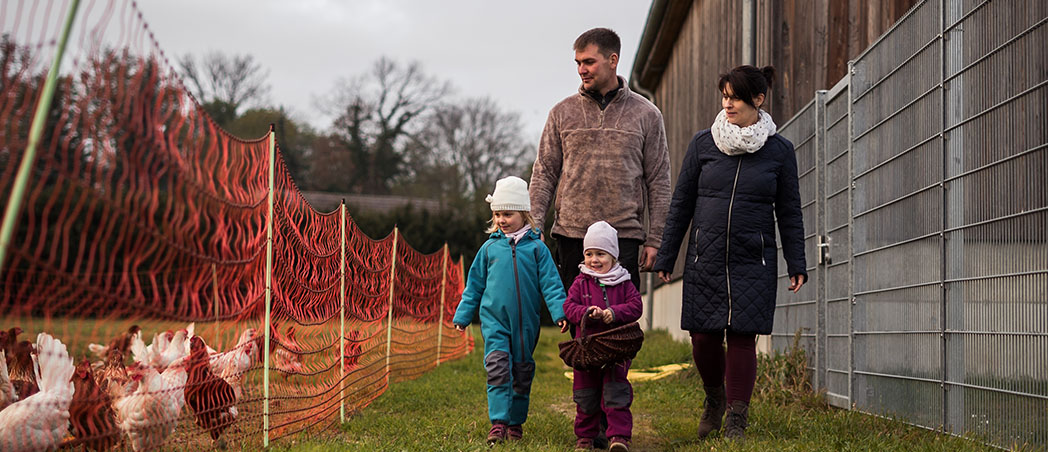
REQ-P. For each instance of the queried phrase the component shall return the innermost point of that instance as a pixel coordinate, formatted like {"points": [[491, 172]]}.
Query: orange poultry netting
{"points": [[152, 249]]}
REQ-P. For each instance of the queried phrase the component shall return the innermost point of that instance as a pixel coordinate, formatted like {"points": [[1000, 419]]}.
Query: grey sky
{"points": [[517, 52]]}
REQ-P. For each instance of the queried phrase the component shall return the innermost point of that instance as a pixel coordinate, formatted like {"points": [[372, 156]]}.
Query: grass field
{"points": [[446, 410]]}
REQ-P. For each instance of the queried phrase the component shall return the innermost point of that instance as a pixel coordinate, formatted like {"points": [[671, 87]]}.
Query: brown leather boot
{"points": [[714, 412], [737, 420]]}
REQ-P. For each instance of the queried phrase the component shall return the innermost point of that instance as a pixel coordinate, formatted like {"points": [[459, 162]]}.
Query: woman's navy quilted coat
{"points": [[732, 203]]}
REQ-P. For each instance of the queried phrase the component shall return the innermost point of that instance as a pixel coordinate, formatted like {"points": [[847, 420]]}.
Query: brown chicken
{"points": [[20, 367], [121, 342], [211, 398], [113, 377], [91, 412], [8, 341], [287, 358]]}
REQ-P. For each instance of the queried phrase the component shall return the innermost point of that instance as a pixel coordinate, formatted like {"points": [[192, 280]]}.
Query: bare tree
{"points": [[375, 115], [479, 138], [223, 81]]}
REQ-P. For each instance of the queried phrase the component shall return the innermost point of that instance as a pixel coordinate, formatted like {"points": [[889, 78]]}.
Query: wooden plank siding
{"points": [[808, 41]]}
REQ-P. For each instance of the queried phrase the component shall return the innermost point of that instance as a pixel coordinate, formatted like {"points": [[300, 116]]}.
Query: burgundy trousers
{"points": [[736, 369], [603, 391]]}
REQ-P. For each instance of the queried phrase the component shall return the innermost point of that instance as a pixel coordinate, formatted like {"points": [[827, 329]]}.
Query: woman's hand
{"points": [[665, 277], [563, 324], [608, 315], [460, 327], [796, 281]]}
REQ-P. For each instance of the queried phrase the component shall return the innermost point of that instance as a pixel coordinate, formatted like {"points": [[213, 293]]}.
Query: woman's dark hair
{"points": [[748, 81]]}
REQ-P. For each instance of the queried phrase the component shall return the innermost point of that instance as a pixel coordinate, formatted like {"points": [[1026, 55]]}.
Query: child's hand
{"points": [[595, 313], [609, 315], [563, 324], [460, 327]]}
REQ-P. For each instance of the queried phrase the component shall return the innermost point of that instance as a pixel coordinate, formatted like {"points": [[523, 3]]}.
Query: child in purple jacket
{"points": [[604, 293]]}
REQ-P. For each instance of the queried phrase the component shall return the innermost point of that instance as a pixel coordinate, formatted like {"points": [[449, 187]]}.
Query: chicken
{"points": [[288, 357], [210, 397], [21, 370], [190, 332], [7, 391], [150, 355], [91, 411], [10, 338], [353, 350], [40, 421], [121, 342], [149, 414], [233, 364], [166, 348], [112, 376]]}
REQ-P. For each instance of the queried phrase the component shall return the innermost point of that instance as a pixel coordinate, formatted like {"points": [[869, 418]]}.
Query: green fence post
{"points": [[36, 130]]}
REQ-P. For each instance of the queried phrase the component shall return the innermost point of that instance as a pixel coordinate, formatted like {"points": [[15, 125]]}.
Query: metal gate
{"points": [[923, 184]]}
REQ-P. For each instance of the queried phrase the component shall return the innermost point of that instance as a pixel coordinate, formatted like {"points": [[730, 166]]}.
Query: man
{"points": [[603, 153]]}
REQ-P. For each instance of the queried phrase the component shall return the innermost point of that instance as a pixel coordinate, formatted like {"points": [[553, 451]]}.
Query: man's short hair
{"points": [[606, 40]]}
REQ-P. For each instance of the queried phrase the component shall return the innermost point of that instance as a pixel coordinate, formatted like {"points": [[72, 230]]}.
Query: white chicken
{"points": [[150, 414], [150, 355], [233, 364], [40, 421], [7, 390], [175, 350], [190, 332], [165, 349]]}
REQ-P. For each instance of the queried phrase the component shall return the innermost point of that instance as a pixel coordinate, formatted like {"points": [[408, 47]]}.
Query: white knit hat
{"points": [[602, 236], [511, 193]]}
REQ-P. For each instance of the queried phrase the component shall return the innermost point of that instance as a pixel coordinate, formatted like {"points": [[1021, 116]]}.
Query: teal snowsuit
{"points": [[510, 329]]}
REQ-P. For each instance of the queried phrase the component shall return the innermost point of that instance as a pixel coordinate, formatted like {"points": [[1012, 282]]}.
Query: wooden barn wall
{"points": [[808, 41]]}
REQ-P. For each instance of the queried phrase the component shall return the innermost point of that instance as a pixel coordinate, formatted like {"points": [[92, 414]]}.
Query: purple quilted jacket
{"points": [[623, 298]]}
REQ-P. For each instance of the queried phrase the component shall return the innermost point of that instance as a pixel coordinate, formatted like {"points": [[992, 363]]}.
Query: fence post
{"points": [[389, 319], [443, 285], [342, 315], [269, 285], [214, 287], [36, 129]]}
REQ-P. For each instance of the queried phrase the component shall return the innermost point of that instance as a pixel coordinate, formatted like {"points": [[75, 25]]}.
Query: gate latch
{"points": [[824, 250]]}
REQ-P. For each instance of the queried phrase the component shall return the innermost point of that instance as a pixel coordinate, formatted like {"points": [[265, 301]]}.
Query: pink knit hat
{"points": [[602, 236]]}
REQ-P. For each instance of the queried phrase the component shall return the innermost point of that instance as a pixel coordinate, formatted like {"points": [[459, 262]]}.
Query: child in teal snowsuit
{"points": [[508, 280]]}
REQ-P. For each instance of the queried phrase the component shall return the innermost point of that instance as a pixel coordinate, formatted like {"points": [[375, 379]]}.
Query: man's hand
{"points": [[563, 324], [647, 258], [665, 277], [460, 327]]}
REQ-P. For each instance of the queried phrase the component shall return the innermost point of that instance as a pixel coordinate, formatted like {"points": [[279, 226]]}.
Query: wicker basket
{"points": [[595, 351]]}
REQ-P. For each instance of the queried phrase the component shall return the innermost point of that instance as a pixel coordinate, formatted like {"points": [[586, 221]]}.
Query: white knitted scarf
{"points": [[734, 140], [616, 275]]}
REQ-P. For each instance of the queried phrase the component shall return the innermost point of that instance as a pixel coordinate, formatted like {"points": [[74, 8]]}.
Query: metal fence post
{"points": [[821, 272], [269, 284], [36, 130], [953, 243]]}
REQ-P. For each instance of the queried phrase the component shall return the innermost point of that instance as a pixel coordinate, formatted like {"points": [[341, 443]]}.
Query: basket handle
{"points": [[582, 325]]}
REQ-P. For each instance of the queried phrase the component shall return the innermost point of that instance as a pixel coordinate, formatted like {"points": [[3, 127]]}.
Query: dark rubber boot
{"points": [[737, 420], [716, 403]]}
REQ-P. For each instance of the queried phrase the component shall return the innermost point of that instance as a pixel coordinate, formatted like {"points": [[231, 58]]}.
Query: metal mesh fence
{"points": [[923, 172]]}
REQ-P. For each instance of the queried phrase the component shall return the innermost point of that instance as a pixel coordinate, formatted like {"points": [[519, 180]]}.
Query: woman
{"points": [[736, 180]]}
